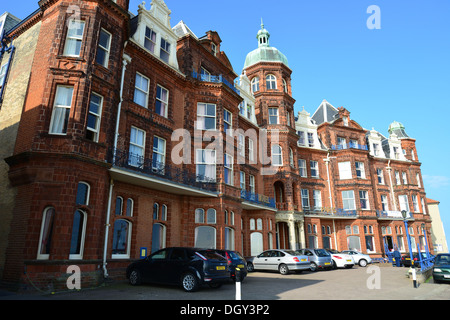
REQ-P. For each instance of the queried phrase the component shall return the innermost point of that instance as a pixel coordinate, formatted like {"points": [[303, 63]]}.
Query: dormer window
{"points": [[165, 51], [214, 49], [345, 119], [150, 40]]}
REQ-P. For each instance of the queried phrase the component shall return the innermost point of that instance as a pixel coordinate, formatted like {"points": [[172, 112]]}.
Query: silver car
{"points": [[318, 258], [280, 260]]}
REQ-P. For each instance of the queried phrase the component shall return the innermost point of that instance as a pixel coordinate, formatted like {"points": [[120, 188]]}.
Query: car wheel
{"points": [[283, 269], [313, 267], [135, 278], [362, 263], [250, 267], [189, 282], [334, 265]]}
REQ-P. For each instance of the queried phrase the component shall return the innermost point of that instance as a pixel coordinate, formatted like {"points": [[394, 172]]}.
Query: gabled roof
{"points": [[181, 29], [325, 113]]}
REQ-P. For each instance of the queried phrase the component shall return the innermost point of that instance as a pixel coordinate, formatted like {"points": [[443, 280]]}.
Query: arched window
{"points": [[229, 239], [252, 224], [285, 86], [271, 82], [45, 239], [121, 239], [130, 206], [205, 237], [199, 216], [277, 155], [119, 206], [155, 211], [211, 216], [158, 237], [256, 243], [83, 191], [163, 212], [255, 84], [78, 235], [259, 225]]}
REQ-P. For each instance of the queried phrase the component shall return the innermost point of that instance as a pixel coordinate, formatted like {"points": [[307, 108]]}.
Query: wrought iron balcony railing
{"points": [[154, 168], [258, 199], [215, 79]]}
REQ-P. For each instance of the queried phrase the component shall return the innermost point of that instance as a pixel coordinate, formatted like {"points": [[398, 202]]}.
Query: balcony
{"points": [[214, 79], [141, 171], [254, 201], [350, 145], [333, 213], [393, 215]]}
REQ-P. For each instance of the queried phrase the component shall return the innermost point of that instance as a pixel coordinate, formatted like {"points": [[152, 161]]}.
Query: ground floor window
{"points": [[256, 243], [229, 239], [354, 243], [205, 237], [370, 244], [121, 239], [78, 233], [326, 242], [158, 237]]}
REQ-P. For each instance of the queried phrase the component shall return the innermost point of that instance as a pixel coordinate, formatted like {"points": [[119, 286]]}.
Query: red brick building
{"points": [[136, 136]]}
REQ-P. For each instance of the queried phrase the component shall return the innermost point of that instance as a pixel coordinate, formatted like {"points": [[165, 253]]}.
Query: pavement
{"points": [[375, 282]]}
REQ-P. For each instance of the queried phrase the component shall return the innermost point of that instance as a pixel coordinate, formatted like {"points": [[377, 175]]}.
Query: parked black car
{"points": [[235, 260], [441, 269], [406, 259], [188, 267]]}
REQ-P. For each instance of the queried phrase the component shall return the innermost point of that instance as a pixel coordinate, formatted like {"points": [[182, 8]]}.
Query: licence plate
{"points": [[304, 260], [220, 268], [327, 263], [240, 266], [348, 260]]}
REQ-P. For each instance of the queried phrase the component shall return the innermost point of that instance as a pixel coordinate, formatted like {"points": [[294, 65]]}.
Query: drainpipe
{"points": [[389, 170], [107, 225], [327, 162], [11, 50], [126, 60]]}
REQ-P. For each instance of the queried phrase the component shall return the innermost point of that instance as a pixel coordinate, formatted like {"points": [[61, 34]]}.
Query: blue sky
{"points": [[400, 72]]}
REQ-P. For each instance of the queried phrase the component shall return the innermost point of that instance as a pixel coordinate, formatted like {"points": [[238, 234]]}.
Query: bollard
{"points": [[413, 271], [238, 283]]}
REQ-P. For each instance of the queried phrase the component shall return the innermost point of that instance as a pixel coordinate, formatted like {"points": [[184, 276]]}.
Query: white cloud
{"points": [[436, 182]]}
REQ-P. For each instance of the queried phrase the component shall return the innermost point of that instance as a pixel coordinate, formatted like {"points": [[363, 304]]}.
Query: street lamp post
{"points": [[413, 270]]}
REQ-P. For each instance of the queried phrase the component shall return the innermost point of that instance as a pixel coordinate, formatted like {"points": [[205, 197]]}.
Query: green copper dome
{"points": [[399, 129], [264, 52]]}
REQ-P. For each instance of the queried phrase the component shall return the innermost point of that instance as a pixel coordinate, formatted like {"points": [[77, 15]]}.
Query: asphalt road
{"points": [[376, 282]]}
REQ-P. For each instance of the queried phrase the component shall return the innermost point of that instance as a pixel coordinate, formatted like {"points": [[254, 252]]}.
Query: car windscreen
{"points": [[235, 255], [211, 255], [442, 260], [321, 252]]}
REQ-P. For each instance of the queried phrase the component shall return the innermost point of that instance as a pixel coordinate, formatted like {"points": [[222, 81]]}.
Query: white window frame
{"points": [[107, 49], [212, 162], [165, 49], [302, 168], [271, 82], [149, 40], [305, 199], [273, 115], [277, 153], [163, 102], [144, 91], [201, 124], [70, 37], [255, 84], [360, 171], [345, 170], [136, 145], [348, 197], [64, 115], [228, 167], [364, 196], [159, 152], [314, 167], [98, 117], [229, 122]]}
